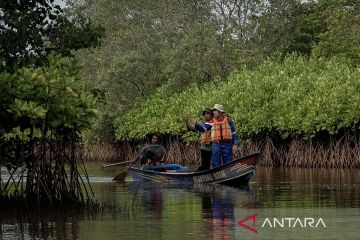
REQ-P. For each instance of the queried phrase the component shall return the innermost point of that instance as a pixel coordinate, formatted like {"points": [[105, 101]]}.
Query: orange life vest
{"points": [[221, 130], [206, 136]]}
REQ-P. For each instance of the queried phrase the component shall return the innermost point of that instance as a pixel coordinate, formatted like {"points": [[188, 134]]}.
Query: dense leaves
{"points": [[175, 44], [165, 50], [30, 30], [44, 108], [51, 97], [152, 44], [297, 98], [43, 113], [289, 26], [342, 37]]}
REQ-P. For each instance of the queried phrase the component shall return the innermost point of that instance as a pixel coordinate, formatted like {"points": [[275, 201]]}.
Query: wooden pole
{"points": [[114, 164]]}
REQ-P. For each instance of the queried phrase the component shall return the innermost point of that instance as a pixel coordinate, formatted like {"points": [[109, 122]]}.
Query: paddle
{"points": [[114, 164], [121, 176]]}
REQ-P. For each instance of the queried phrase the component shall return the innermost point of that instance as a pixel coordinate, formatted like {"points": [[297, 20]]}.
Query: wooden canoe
{"points": [[236, 172]]}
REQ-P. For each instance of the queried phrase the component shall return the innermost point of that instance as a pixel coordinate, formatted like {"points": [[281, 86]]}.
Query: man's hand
{"points": [[193, 121], [189, 122], [235, 150], [186, 118]]}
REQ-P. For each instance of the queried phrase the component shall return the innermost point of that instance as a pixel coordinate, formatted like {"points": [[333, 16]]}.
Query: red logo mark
{"points": [[253, 217]]}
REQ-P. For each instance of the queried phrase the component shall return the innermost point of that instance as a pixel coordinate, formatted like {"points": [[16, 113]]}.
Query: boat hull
{"points": [[237, 172]]}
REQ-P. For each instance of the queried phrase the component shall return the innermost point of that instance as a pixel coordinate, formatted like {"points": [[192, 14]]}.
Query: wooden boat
{"points": [[236, 172]]}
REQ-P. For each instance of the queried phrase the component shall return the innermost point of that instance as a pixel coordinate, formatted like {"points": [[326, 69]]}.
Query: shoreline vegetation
{"points": [[46, 109], [343, 152], [293, 99], [299, 113], [287, 72]]}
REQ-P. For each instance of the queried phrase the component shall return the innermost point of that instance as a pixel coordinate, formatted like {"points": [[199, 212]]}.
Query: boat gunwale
{"points": [[209, 171]]}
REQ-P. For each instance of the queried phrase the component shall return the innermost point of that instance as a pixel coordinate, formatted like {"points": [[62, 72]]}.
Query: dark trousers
{"points": [[205, 160], [221, 153]]}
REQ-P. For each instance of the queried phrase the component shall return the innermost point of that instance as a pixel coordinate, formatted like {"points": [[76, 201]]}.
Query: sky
{"points": [[60, 3]]}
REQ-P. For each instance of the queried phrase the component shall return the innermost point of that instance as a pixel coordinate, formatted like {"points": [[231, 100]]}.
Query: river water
{"points": [[278, 204]]}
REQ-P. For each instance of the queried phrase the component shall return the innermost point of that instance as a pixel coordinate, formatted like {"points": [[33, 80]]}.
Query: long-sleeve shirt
{"points": [[204, 127]]}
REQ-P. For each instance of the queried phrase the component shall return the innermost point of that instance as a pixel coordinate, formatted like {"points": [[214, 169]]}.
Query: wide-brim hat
{"points": [[219, 107], [206, 110]]}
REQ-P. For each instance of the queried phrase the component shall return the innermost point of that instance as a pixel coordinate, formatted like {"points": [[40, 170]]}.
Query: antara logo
{"points": [[294, 222], [289, 222], [253, 218]]}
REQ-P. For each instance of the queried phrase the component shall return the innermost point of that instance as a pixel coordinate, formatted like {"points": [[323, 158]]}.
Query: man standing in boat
{"points": [[223, 136], [205, 148]]}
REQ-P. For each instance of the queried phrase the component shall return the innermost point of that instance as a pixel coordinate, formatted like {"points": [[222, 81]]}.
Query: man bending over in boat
{"points": [[153, 153]]}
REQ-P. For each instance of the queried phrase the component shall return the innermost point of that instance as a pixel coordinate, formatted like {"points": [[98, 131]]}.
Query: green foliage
{"points": [[150, 44], [297, 98], [30, 30], [48, 100], [342, 37], [167, 49], [289, 26]]}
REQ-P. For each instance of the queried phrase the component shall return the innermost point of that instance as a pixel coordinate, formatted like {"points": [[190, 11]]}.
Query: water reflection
{"points": [[289, 187], [152, 201], [218, 213], [204, 211], [40, 225], [219, 204], [215, 205]]}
